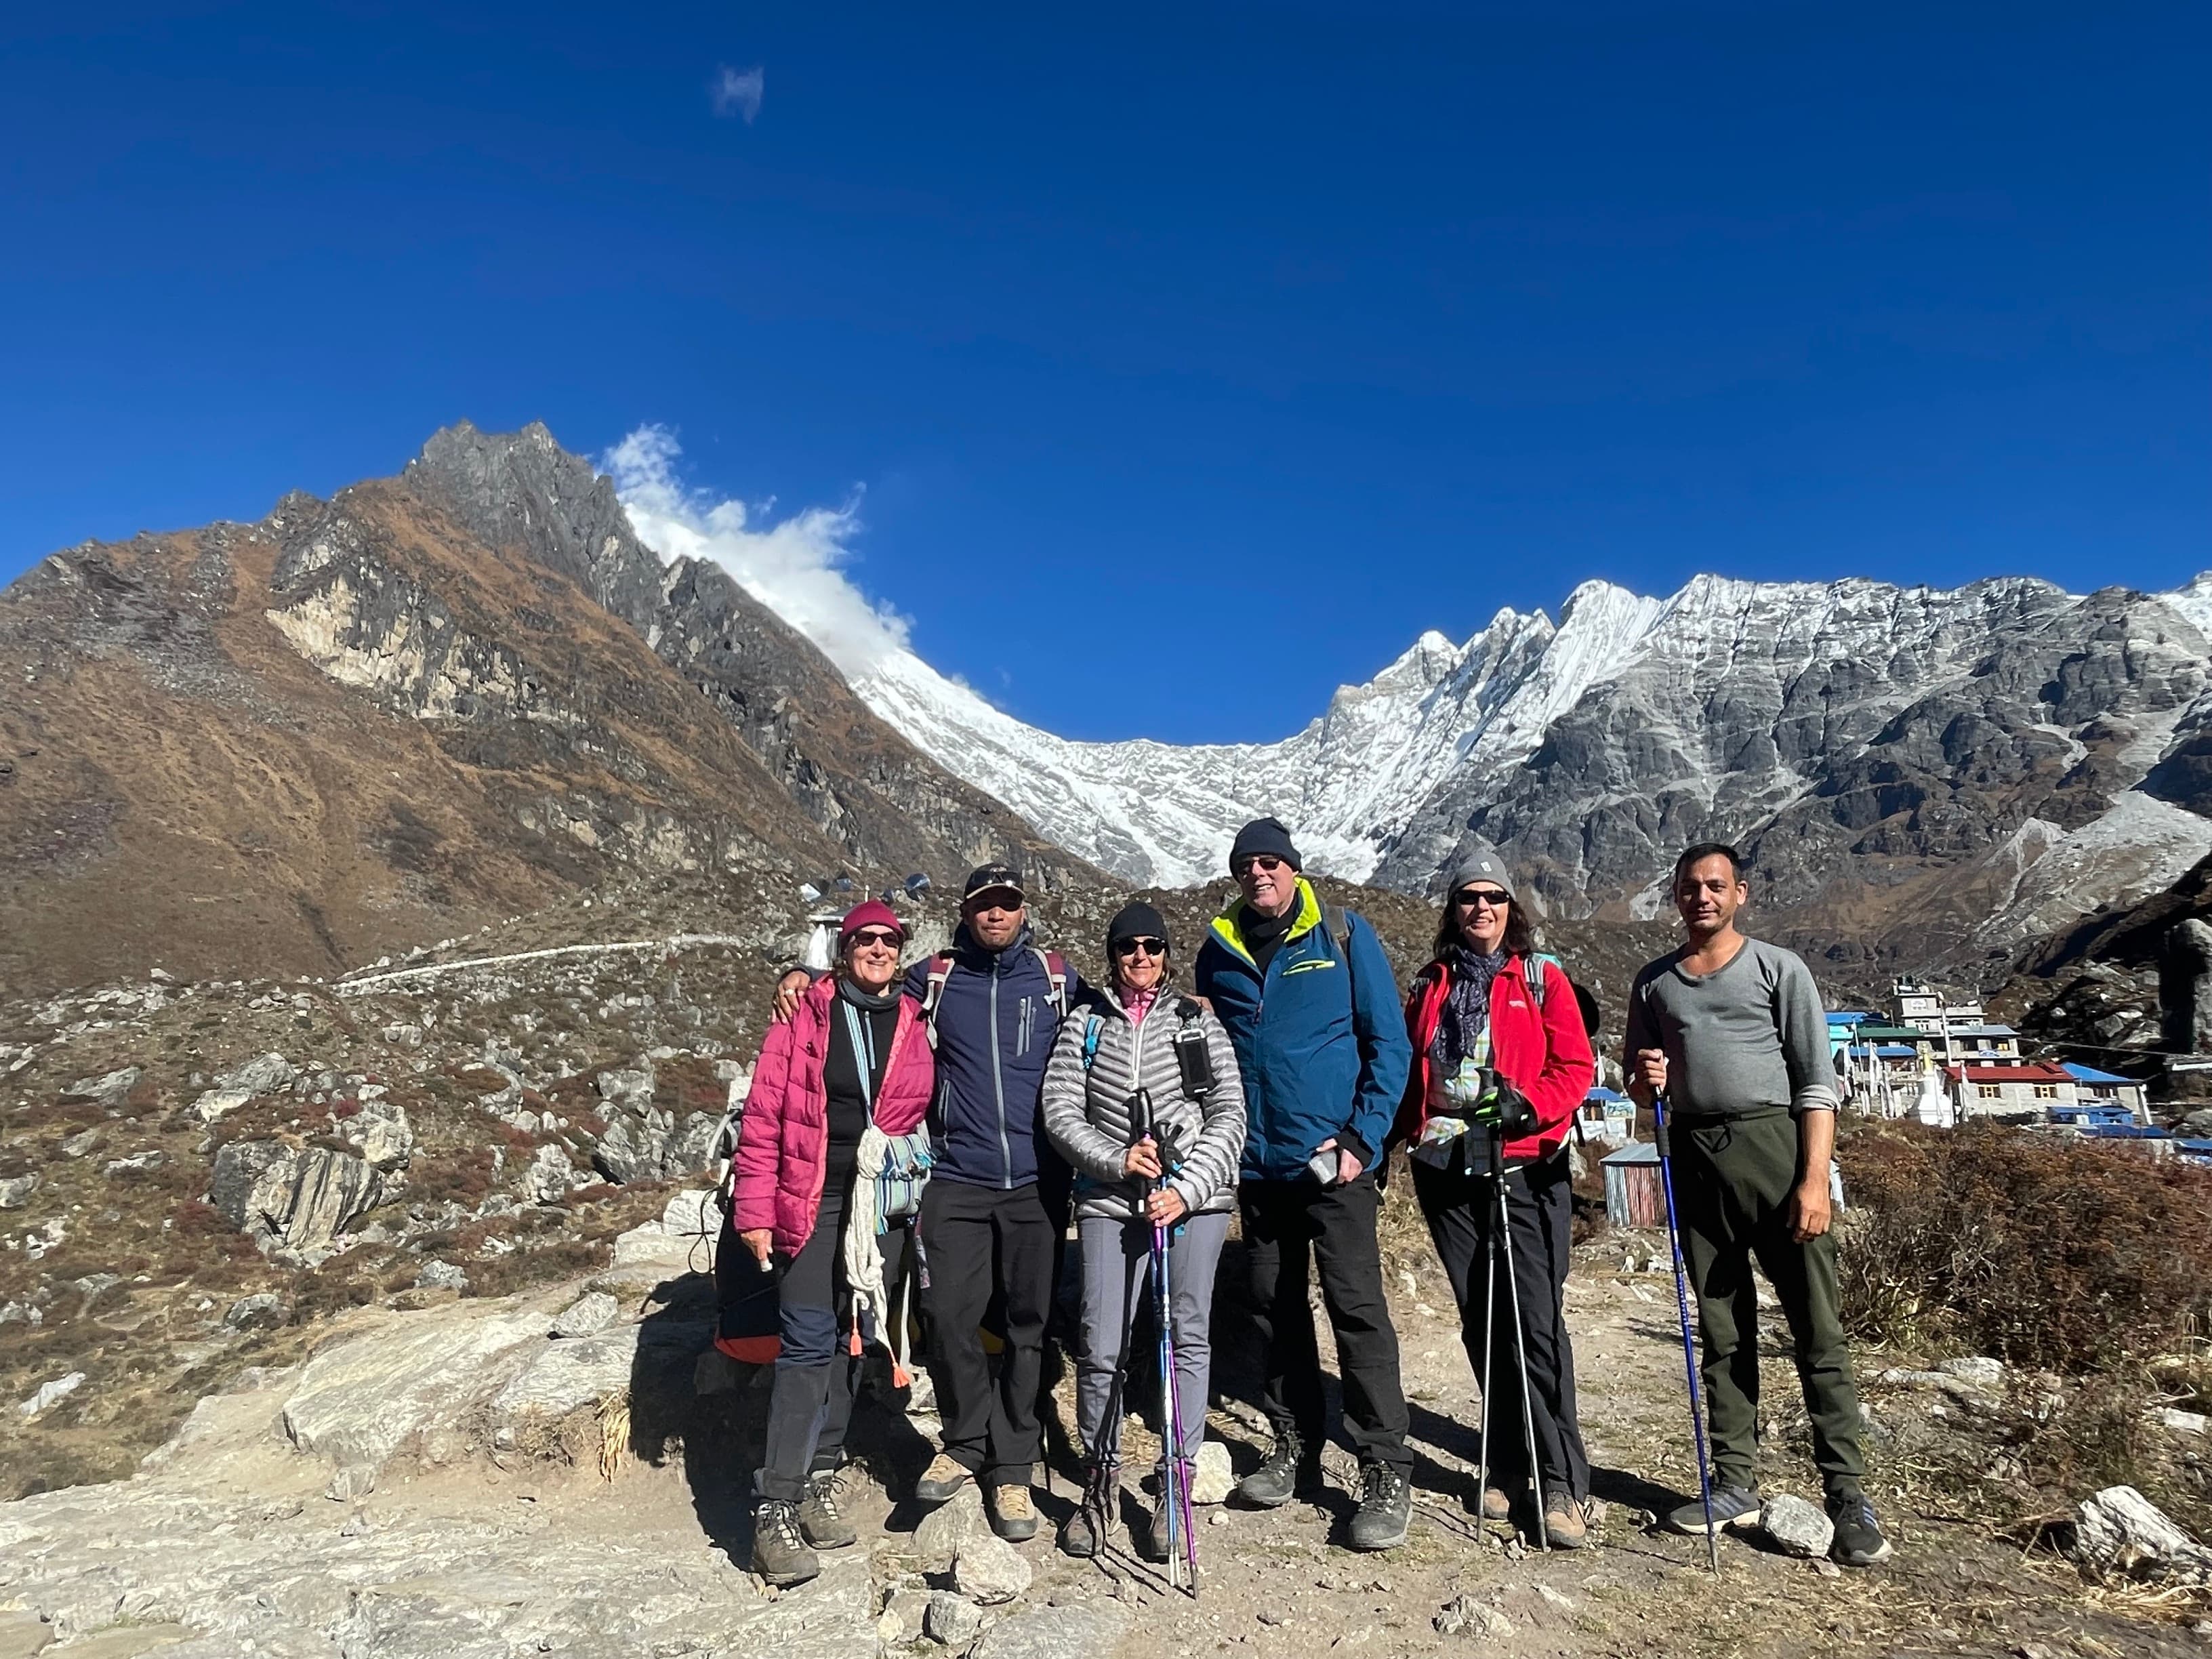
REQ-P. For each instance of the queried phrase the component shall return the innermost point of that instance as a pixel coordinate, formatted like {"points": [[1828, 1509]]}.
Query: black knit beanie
{"points": [[1135, 919], [1265, 836]]}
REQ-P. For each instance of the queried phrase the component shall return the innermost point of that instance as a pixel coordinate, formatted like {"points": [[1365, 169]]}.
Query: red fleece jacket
{"points": [[1544, 1051]]}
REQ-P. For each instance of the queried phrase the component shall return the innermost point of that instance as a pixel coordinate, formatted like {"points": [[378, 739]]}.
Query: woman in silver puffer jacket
{"points": [[1139, 1034]]}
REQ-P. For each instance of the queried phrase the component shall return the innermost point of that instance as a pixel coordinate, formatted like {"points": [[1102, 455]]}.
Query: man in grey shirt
{"points": [[1730, 1031]]}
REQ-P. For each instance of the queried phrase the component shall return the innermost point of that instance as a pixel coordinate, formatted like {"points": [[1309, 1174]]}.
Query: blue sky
{"points": [[1179, 363]]}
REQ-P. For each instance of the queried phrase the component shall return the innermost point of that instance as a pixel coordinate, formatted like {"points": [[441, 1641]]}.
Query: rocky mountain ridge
{"points": [[1931, 774], [423, 704]]}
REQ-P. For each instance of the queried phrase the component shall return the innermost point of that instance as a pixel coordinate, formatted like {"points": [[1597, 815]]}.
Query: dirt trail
{"points": [[232, 1536]]}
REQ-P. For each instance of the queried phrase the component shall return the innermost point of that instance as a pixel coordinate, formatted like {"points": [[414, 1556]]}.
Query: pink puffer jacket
{"points": [[783, 1141]]}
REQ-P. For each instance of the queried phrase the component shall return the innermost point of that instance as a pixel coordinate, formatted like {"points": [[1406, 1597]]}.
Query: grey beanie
{"points": [[1481, 862]]}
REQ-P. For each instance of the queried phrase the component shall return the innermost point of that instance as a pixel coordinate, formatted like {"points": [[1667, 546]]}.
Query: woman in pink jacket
{"points": [[853, 1052]]}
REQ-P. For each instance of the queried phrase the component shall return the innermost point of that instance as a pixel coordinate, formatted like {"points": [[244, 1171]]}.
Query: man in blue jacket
{"points": [[1311, 1006], [995, 1003]]}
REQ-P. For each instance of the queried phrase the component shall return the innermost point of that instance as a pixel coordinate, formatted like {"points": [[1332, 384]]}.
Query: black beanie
{"points": [[1264, 835], [1135, 919]]}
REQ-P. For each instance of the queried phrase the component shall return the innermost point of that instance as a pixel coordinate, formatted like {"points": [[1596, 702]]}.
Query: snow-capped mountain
{"points": [[1350, 782], [1973, 754]]}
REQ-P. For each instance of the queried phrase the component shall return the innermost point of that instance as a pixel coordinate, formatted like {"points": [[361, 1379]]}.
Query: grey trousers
{"points": [[1116, 1271]]}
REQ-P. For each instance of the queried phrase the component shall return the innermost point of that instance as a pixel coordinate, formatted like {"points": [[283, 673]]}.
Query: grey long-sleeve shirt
{"points": [[1750, 1036]]}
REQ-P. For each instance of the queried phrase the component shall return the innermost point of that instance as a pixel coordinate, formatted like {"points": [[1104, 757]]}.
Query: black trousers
{"points": [[1461, 1211], [1290, 1227], [817, 1376], [977, 1242]]}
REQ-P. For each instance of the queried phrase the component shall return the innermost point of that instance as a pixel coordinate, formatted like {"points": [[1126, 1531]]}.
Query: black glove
{"points": [[1506, 1110]]}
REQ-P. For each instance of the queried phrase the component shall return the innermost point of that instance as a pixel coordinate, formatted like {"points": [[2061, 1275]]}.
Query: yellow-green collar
{"points": [[1228, 927]]}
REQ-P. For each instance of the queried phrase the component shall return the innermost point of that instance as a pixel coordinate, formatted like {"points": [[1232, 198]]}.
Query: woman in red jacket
{"points": [[1499, 1050], [853, 1053]]}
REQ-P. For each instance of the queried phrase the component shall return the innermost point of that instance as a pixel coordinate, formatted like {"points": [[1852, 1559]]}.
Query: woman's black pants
{"points": [[1461, 1211]]}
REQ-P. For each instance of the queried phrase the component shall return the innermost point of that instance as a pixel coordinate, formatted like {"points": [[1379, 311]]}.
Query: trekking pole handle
{"points": [[1659, 1137]]}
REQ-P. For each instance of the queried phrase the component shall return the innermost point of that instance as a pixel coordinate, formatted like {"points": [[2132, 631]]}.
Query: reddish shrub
{"points": [[2069, 1256]]}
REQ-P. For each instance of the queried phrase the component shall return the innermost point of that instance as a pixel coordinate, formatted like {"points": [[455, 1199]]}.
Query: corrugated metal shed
{"points": [[1633, 1195]]}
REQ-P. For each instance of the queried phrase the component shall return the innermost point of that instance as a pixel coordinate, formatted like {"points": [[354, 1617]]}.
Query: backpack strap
{"points": [[1338, 920], [1056, 970], [941, 969], [1091, 1040], [1540, 980]]}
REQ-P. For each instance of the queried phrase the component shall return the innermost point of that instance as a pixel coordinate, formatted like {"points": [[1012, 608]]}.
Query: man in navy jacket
{"points": [[1311, 1006], [986, 1221]]}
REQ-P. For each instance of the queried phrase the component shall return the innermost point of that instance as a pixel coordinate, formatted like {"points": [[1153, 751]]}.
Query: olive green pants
{"points": [[1733, 1182]]}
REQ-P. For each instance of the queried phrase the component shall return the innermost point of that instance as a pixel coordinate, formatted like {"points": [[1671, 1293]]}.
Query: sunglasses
{"points": [[1474, 895], [875, 936], [1266, 862], [1151, 947]]}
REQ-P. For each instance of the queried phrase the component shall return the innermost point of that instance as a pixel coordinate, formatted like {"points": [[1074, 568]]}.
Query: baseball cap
{"points": [[993, 878]]}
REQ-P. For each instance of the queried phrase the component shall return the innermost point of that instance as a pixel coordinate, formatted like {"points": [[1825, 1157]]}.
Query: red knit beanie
{"points": [[873, 912]]}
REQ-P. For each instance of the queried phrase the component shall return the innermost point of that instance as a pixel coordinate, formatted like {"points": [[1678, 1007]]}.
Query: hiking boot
{"points": [[822, 1517], [1014, 1513], [1288, 1470], [1496, 1505], [1733, 1506], [941, 1480], [779, 1551], [1566, 1528], [1858, 1542], [1386, 1505], [1083, 1534], [1149, 1537]]}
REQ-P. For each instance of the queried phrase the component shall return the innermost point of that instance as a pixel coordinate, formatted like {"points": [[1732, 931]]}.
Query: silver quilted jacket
{"points": [[1086, 1113]]}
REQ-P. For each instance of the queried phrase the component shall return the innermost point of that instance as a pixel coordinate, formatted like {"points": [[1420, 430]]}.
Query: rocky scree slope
{"points": [[290, 746]]}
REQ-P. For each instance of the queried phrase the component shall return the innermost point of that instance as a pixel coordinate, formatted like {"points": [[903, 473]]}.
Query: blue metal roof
{"points": [[1637, 1152], [2091, 1074], [1604, 1094]]}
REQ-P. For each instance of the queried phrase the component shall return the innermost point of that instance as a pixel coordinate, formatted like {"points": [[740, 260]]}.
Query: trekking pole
{"points": [[1181, 1548], [1682, 1306], [1520, 1339], [1489, 1352]]}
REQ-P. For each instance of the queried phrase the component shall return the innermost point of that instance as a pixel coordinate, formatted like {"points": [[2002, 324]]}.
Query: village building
{"points": [[2093, 1088], [2020, 1093]]}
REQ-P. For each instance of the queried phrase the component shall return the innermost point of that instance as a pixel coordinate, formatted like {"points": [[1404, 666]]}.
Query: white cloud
{"points": [[738, 92], [794, 566]]}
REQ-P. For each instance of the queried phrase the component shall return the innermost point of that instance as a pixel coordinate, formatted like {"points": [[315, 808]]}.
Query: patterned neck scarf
{"points": [[1466, 1013]]}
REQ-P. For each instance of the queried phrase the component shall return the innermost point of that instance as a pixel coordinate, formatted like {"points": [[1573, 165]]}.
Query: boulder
{"points": [[905, 1613], [938, 1539], [1796, 1526], [265, 1308], [550, 1174], [49, 1394], [78, 1145], [294, 1198], [633, 1145], [380, 1131], [16, 1189], [1212, 1477], [1088, 1631], [692, 1214], [264, 1074], [588, 1315], [951, 1620], [989, 1570], [563, 1375], [110, 1089], [219, 1102], [442, 1276], [632, 1089], [2120, 1532], [357, 1400]]}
